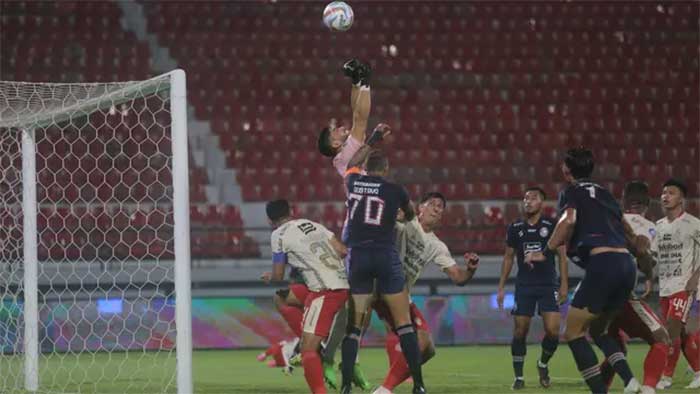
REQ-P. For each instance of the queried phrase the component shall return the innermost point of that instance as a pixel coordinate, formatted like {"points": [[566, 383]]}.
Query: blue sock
{"points": [[351, 345], [409, 346], [549, 346], [518, 349], [616, 358], [587, 364]]}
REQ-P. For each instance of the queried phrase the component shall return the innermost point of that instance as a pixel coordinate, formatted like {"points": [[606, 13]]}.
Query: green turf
{"points": [[475, 369]]}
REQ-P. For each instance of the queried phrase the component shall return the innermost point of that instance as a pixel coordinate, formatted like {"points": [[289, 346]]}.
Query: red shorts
{"points": [[300, 291], [417, 318], [637, 320], [676, 306], [320, 309]]}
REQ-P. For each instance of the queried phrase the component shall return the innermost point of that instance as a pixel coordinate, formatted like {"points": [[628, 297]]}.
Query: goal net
{"points": [[94, 237]]}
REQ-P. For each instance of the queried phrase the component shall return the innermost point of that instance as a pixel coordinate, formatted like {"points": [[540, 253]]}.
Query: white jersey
{"points": [[644, 227], [678, 245], [307, 248], [417, 248]]}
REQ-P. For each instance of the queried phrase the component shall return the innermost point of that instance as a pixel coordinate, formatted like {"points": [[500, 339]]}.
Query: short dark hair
{"points": [[430, 195], [579, 161], [376, 162], [277, 209], [324, 143], [538, 190], [679, 184], [636, 193]]}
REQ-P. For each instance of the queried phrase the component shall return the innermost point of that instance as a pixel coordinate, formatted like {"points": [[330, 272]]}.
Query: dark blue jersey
{"points": [[598, 219], [372, 207], [526, 238]]}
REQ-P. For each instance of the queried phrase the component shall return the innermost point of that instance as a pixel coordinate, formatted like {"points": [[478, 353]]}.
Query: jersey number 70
{"points": [[374, 208]]}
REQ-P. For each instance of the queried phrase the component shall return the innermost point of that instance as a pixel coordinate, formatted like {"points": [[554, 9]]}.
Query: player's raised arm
{"points": [[506, 267], [360, 96]]}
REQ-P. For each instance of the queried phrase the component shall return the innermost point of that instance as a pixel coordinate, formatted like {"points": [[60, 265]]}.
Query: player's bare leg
{"points": [[550, 342], [399, 305], [518, 348], [331, 345]]}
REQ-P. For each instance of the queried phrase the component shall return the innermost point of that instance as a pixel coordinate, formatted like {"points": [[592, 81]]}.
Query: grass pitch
{"points": [[471, 369]]}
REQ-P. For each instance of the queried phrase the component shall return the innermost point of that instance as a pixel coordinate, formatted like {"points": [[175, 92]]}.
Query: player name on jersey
{"points": [[366, 188]]}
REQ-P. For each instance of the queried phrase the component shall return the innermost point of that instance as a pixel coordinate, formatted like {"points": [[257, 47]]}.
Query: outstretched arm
{"points": [[460, 275]]}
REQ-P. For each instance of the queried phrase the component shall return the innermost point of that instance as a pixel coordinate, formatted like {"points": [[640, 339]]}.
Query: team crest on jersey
{"points": [[544, 231], [521, 233], [652, 232]]}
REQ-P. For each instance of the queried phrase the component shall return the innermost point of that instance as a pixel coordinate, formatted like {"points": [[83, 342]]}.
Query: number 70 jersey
{"points": [[373, 204], [306, 246]]}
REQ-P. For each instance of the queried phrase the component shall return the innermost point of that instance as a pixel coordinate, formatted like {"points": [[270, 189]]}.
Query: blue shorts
{"points": [[607, 284], [531, 298], [367, 264]]}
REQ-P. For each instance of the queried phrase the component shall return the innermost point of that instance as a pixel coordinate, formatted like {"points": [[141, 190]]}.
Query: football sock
{"points": [[674, 352], [392, 347], [691, 351], [587, 364], [549, 346], [615, 357], [336, 336], [398, 373], [409, 346], [313, 371], [518, 349], [293, 316], [654, 364], [607, 373], [351, 346]]}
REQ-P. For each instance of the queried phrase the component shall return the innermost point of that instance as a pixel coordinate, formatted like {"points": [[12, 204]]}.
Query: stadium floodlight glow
{"points": [[94, 237]]}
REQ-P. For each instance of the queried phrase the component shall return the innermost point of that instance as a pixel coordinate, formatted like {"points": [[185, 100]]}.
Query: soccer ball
{"points": [[338, 16]]}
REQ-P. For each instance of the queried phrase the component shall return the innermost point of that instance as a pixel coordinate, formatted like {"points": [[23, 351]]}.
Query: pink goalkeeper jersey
{"points": [[347, 151]]}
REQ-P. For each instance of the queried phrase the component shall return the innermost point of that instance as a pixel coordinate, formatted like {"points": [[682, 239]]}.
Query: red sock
{"points": [[398, 372], [272, 349], [393, 349], [277, 356], [691, 350], [674, 352], [293, 316], [313, 371], [654, 364]]}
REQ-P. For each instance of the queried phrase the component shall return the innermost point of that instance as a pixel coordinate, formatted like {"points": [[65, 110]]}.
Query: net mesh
{"points": [[104, 231]]}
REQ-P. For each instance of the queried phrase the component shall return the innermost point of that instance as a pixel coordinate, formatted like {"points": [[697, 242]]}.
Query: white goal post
{"points": [[95, 289]]}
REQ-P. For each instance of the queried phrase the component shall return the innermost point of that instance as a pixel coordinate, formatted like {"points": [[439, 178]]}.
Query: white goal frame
{"points": [[180, 179]]}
